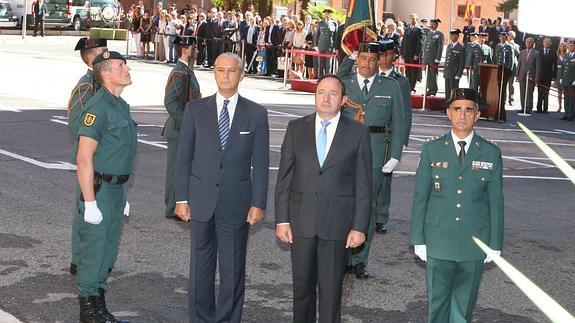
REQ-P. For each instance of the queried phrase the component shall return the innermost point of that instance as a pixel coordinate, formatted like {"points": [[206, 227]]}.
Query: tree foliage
{"points": [[507, 5], [316, 12]]}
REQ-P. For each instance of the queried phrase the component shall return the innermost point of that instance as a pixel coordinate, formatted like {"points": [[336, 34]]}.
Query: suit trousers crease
{"points": [[530, 90], [452, 289], [214, 241], [543, 95], [170, 193], [321, 263]]}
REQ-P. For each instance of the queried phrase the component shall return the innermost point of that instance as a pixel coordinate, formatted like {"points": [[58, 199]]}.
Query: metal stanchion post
{"points": [[500, 93], [286, 71], [425, 88], [128, 34], [524, 113]]}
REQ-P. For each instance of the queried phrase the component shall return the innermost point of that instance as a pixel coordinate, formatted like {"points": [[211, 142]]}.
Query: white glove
{"points": [[561, 81], [354, 55], [92, 213], [390, 165], [573, 84], [457, 77], [488, 259], [437, 61], [421, 251], [127, 209]]}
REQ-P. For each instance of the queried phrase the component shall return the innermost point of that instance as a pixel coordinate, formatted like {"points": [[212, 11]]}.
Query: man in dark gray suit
{"points": [[323, 200], [527, 73], [221, 187]]}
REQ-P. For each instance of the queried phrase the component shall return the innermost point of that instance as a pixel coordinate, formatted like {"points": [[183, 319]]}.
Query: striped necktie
{"points": [[224, 124]]}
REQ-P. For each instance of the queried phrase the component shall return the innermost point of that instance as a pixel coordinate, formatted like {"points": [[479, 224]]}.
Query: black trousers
{"points": [[317, 263], [411, 72], [39, 24], [272, 59], [543, 95], [210, 44], [530, 89], [201, 54], [227, 243], [250, 50]]}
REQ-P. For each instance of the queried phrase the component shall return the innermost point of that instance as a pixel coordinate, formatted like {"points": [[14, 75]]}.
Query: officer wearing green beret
{"points": [[376, 101], [387, 54], [106, 150], [454, 63], [182, 86], [567, 80], [432, 51], [473, 56], [458, 194], [85, 89]]}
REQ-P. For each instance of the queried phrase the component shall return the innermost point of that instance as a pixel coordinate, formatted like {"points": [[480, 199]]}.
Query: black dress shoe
{"points": [[73, 268], [348, 269], [563, 118], [380, 228], [360, 271]]}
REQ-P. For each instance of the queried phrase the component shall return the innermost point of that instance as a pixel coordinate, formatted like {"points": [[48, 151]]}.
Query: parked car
{"points": [[79, 14], [8, 17]]}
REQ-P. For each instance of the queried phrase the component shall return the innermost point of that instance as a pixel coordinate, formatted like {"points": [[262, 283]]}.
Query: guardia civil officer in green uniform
{"points": [[432, 50], [324, 41], [106, 150], [454, 63], [487, 51], [504, 56], [458, 194], [182, 86], [387, 54], [376, 101], [567, 80], [85, 89], [473, 56]]}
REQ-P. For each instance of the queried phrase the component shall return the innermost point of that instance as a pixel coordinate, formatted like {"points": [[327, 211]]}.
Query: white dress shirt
{"points": [[386, 73], [466, 139], [250, 34], [330, 129], [231, 106], [361, 84]]}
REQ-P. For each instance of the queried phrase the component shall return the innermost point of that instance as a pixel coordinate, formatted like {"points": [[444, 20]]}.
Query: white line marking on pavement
{"points": [[505, 140], [504, 176], [153, 143], [528, 161], [565, 131], [57, 165], [483, 128], [10, 109], [59, 121], [284, 114]]}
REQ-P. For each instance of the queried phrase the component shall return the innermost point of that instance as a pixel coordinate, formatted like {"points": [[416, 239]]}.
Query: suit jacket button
{"points": [[217, 185], [459, 191], [459, 205], [457, 219], [460, 178], [221, 167], [320, 172]]}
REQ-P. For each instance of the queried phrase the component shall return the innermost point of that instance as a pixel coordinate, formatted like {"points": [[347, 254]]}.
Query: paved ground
{"points": [[148, 283]]}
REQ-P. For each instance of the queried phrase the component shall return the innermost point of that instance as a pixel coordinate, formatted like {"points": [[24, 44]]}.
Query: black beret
{"points": [[503, 33], [108, 55], [184, 41], [455, 31], [435, 21], [386, 44], [571, 41], [423, 20], [327, 10], [474, 34], [87, 43], [368, 47], [483, 34], [464, 94]]}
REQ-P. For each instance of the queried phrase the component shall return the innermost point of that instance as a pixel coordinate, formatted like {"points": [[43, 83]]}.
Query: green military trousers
{"points": [[170, 192], [452, 289], [431, 81], [569, 101], [384, 196], [474, 80], [361, 253], [76, 230], [98, 245]]}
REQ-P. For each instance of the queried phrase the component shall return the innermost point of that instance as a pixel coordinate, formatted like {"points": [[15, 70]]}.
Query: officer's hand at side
{"points": [[354, 239], [283, 233], [255, 215], [488, 259], [457, 77], [127, 209], [390, 165], [92, 214], [182, 211], [421, 251], [415, 57], [437, 61]]}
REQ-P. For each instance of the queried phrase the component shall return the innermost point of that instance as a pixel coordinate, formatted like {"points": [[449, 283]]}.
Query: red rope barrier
{"points": [[310, 53], [417, 65]]}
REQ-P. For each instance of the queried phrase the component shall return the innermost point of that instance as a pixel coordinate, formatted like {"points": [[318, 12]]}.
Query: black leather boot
{"points": [[106, 315], [89, 312]]}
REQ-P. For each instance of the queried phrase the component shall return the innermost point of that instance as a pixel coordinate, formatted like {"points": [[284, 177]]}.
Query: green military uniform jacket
{"points": [[407, 112], [383, 107], [83, 91], [182, 86], [568, 70], [107, 120], [452, 203], [432, 47], [454, 61], [473, 56], [324, 38], [505, 55]]}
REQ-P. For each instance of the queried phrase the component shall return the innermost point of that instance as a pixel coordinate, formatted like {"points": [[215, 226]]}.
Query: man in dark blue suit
{"points": [[221, 188]]}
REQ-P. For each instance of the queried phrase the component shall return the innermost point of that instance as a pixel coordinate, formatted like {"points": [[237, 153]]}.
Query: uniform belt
{"points": [[112, 179], [378, 129]]}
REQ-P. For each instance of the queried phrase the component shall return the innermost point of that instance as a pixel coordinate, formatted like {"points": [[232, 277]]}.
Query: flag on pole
{"points": [[359, 25], [469, 10]]}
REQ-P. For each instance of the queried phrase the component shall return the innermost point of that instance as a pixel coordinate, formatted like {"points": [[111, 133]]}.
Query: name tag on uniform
{"points": [[435, 37], [456, 51], [382, 97], [440, 165], [476, 165]]}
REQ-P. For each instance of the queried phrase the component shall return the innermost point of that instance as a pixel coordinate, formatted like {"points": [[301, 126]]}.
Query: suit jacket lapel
{"points": [[211, 115], [338, 139], [310, 137], [237, 122]]}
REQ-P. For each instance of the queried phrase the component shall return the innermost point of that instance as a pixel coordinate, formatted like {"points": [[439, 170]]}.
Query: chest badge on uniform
{"points": [[89, 119], [437, 187], [476, 165]]}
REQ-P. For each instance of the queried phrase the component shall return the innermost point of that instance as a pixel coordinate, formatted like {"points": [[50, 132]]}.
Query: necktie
{"points": [[224, 124], [321, 142], [365, 89], [461, 151]]}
